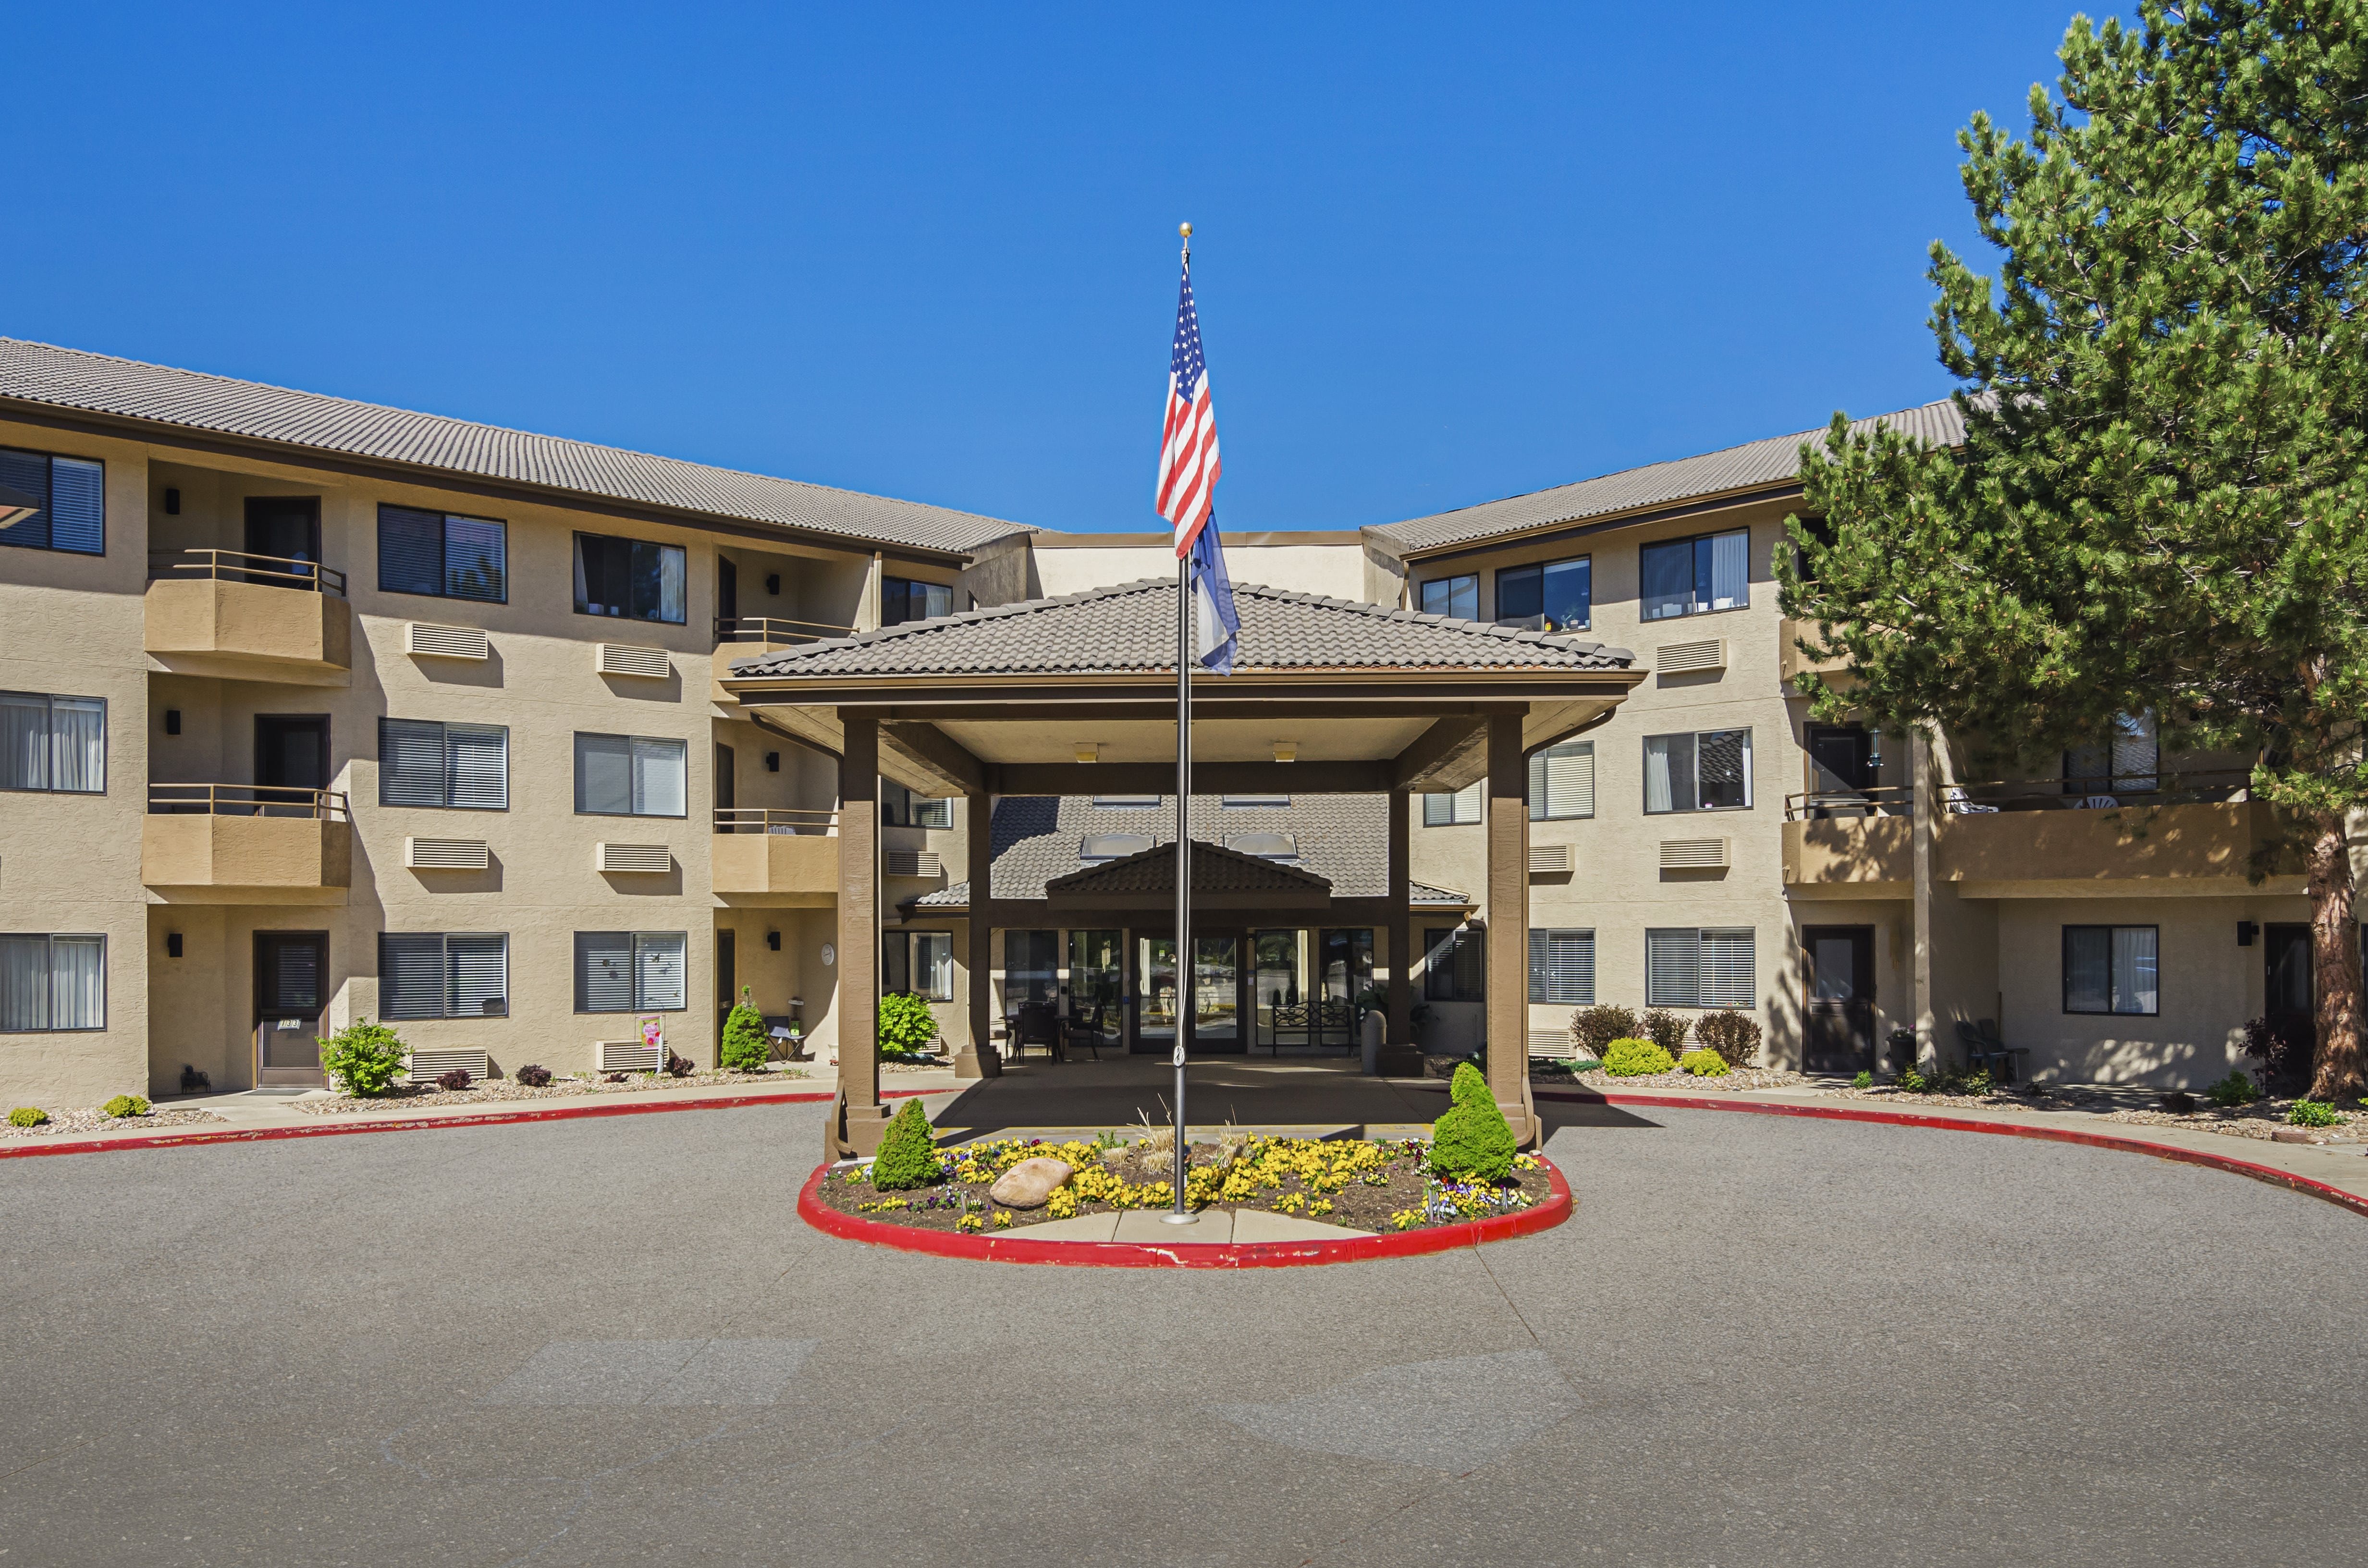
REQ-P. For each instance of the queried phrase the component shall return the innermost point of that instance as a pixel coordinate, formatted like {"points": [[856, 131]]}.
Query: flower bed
{"points": [[491, 1091], [93, 1120], [1356, 1183]]}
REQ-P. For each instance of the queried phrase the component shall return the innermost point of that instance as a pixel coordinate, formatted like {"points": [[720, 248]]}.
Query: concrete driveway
{"points": [[1761, 1340]]}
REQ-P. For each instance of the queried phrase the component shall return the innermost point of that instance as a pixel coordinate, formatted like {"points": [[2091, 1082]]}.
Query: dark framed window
{"points": [[2112, 968], [1452, 969], [631, 776], [1458, 596], [629, 578], [51, 502], [50, 984], [919, 961], [1129, 802], [437, 974], [1031, 966], [632, 971], [1686, 968], [904, 599], [1694, 576], [1459, 809], [442, 556], [1562, 967], [1708, 770], [899, 807], [425, 761], [1548, 596], [56, 744]]}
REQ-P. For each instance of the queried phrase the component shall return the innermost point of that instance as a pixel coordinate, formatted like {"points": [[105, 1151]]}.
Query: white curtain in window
{"points": [[670, 560], [658, 971], [1730, 570], [2136, 985], [78, 972], [78, 744], [1669, 773], [934, 964], [24, 984], [24, 741], [660, 789]]}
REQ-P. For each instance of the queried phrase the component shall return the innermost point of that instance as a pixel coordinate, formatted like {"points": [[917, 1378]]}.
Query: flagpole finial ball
{"points": [[1185, 229]]}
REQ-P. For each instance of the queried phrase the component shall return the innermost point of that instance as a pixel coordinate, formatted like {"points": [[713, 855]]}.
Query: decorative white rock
{"points": [[1027, 1184]]}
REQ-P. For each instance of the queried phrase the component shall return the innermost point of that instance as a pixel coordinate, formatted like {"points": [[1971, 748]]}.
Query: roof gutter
{"points": [[1549, 533]]}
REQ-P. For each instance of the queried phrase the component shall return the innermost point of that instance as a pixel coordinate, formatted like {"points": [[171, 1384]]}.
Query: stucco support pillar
{"points": [[1400, 1055], [979, 1059], [861, 1117], [1508, 949], [1920, 800]]}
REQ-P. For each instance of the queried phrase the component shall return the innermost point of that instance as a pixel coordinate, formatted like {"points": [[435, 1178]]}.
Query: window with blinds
{"points": [[52, 503], [51, 983], [442, 556], [1457, 810], [1694, 576], [441, 975], [1698, 968], [1562, 967], [1562, 782], [630, 972], [52, 744], [631, 578], [631, 776], [425, 761], [1452, 970], [899, 807]]}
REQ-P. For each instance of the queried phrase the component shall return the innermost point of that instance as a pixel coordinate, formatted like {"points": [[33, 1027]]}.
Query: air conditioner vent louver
{"points": [[909, 862], [427, 1066], [1692, 658], [445, 854], [1549, 860], [624, 659], [1693, 854], [640, 858], [629, 1056], [447, 641]]}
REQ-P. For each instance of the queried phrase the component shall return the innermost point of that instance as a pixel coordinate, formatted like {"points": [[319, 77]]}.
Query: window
{"points": [[899, 807], [631, 776], [1459, 809], [1129, 802], [1266, 845], [630, 971], [1692, 577], [53, 982], [903, 599], [424, 763], [1698, 968], [2111, 969], [1557, 596], [52, 503], [1708, 771], [1562, 967], [1255, 802], [1097, 847], [628, 577], [1458, 596], [444, 556], [433, 975], [2122, 765], [919, 961], [58, 743], [1451, 967], [1562, 782], [1031, 966]]}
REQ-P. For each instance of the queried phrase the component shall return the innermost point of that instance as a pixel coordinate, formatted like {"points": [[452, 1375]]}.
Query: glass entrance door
{"points": [[1216, 995], [1154, 993], [1346, 958], [1098, 983]]}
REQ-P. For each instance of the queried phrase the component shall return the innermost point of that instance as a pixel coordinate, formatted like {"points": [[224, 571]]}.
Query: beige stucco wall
{"points": [[1332, 564]]}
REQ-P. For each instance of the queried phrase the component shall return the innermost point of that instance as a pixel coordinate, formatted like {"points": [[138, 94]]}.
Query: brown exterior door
{"points": [[291, 978], [2290, 999], [1837, 987]]}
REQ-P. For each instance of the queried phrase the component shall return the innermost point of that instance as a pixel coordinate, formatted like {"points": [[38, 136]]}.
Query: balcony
{"points": [[752, 637], [1790, 661], [227, 613], [785, 859], [245, 843], [1850, 843]]}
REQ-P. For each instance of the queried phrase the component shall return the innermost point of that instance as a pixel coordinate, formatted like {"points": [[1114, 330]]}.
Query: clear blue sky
{"points": [[1444, 254]]}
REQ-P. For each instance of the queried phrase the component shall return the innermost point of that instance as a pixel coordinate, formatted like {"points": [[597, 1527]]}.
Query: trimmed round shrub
{"points": [[2314, 1113], [906, 1025], [455, 1081], [363, 1058], [126, 1105], [1593, 1029], [2234, 1090], [533, 1076], [908, 1152], [1473, 1141], [1704, 1064], [745, 1048], [1734, 1036], [1633, 1058], [27, 1116], [1666, 1030], [1865, 1080]]}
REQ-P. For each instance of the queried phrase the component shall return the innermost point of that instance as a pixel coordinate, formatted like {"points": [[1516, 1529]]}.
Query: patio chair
{"points": [[2098, 804], [1290, 1018], [1087, 1034], [1955, 798], [1984, 1048], [1037, 1023]]}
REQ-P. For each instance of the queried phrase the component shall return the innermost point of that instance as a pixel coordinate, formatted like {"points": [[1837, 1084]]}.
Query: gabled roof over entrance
{"points": [[1222, 879]]}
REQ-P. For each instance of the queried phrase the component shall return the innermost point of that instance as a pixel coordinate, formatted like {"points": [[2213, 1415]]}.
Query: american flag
{"points": [[1188, 453]]}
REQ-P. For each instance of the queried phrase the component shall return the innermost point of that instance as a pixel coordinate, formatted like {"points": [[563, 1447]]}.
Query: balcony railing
{"points": [[247, 801], [244, 566], [1821, 805], [773, 820], [774, 632], [2163, 787]]}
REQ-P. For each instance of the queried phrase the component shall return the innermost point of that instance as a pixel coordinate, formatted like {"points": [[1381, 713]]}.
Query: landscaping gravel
{"points": [[495, 1090], [1736, 1080], [93, 1120]]}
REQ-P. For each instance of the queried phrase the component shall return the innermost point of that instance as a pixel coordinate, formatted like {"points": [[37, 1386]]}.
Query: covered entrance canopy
{"points": [[1076, 697]]}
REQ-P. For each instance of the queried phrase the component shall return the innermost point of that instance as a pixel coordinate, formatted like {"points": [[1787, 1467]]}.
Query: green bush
{"points": [[2234, 1090], [1865, 1080], [906, 1025], [126, 1105], [1594, 1029], [1666, 1030], [2314, 1113], [27, 1116], [1733, 1035], [1704, 1064], [1913, 1082], [908, 1152], [1473, 1141], [363, 1058], [1633, 1058], [745, 1048]]}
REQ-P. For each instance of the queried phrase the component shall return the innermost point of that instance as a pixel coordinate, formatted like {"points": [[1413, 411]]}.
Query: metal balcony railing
{"points": [[242, 566], [773, 819], [246, 801], [774, 632], [2161, 787]]}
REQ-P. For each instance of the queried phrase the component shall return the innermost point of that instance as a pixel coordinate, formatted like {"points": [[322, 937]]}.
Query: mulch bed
{"points": [[1369, 1185], [492, 1091]]}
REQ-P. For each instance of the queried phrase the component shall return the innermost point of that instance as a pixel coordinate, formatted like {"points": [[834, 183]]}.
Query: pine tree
{"points": [[1473, 1141], [745, 1047], [2162, 501], [908, 1152]]}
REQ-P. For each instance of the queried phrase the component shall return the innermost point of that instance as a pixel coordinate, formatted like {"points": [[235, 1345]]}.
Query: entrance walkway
{"points": [[1306, 1095]]}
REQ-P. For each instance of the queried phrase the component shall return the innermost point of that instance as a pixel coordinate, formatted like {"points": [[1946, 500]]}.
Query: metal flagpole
{"points": [[1186, 975]]}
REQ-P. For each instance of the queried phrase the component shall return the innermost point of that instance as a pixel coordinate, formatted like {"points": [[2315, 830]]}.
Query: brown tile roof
{"points": [[1215, 868]]}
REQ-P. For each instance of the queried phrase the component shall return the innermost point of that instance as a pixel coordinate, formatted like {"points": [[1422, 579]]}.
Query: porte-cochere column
{"points": [[860, 1119], [1509, 925]]}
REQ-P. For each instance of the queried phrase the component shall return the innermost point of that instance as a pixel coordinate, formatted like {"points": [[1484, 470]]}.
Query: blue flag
{"points": [[1217, 629]]}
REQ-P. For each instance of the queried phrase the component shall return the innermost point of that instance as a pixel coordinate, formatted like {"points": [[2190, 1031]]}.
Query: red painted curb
{"points": [[16, 1150], [2269, 1174], [1005, 1248]]}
